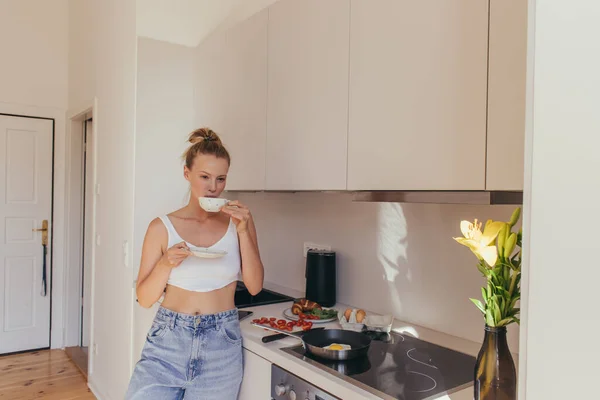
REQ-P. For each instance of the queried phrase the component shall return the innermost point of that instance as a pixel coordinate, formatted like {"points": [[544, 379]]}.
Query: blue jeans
{"points": [[189, 357]]}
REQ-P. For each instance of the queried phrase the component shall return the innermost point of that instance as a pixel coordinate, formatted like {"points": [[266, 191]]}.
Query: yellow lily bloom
{"points": [[479, 242]]}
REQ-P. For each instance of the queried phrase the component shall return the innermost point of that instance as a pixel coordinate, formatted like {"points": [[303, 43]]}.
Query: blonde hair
{"points": [[204, 141]]}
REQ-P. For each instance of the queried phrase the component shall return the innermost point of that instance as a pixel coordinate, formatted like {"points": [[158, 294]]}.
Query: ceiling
{"points": [[188, 22]]}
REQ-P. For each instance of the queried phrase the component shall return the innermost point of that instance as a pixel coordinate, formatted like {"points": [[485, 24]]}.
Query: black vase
{"points": [[495, 373]]}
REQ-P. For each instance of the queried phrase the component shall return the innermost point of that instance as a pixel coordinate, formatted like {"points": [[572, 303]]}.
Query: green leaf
{"points": [[517, 320], [484, 294], [489, 319], [323, 313], [479, 305], [514, 301], [505, 322], [514, 312], [497, 314], [483, 269]]}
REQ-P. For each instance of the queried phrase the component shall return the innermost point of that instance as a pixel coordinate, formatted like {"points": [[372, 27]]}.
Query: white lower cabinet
{"points": [[256, 384]]}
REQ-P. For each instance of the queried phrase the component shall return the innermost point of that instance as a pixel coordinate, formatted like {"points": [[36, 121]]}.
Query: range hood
{"points": [[482, 197], [476, 197]]}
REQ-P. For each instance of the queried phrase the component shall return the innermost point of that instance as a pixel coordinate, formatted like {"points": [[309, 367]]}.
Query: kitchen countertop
{"points": [[330, 383]]}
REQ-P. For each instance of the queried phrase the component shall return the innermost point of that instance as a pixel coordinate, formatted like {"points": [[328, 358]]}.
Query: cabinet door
{"points": [[418, 76], [231, 97], [506, 94], [307, 113], [256, 384]]}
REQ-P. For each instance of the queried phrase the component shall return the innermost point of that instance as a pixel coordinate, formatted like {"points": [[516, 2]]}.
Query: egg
{"points": [[337, 346]]}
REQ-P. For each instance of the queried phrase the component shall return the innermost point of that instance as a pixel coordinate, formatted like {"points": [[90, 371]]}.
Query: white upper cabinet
{"points": [[506, 94], [231, 97], [417, 107], [307, 113]]}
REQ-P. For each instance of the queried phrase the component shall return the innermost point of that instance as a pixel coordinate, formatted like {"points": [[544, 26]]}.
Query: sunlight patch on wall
{"points": [[392, 248]]}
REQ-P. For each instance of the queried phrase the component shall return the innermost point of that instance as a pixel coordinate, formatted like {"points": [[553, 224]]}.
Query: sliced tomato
{"points": [[307, 326], [281, 321], [256, 321], [272, 319], [302, 316]]}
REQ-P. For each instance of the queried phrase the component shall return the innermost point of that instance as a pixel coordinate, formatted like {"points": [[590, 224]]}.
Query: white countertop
{"points": [[328, 382]]}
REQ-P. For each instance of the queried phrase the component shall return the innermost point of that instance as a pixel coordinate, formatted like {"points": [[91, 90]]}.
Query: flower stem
{"points": [[513, 281]]}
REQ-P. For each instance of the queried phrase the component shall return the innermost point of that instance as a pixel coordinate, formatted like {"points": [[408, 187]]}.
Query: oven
{"points": [[285, 385]]}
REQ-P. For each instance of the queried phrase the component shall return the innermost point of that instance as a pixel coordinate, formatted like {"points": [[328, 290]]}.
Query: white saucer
{"points": [[290, 315], [207, 253]]}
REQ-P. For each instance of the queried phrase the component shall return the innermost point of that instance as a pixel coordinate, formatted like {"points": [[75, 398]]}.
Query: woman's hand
{"points": [[240, 214], [175, 255]]}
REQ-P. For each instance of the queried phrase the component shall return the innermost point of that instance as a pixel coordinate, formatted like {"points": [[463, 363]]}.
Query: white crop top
{"points": [[206, 274]]}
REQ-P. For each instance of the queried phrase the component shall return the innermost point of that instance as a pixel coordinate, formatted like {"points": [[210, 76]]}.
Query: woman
{"points": [[193, 349]]}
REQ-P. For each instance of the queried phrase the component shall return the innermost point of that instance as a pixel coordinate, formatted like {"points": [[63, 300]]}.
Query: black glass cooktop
{"points": [[401, 367]]}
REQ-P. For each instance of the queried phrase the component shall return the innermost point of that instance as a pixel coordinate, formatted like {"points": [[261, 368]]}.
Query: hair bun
{"points": [[203, 135]]}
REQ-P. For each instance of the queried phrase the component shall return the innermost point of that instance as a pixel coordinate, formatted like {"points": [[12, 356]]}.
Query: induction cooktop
{"points": [[400, 367]]}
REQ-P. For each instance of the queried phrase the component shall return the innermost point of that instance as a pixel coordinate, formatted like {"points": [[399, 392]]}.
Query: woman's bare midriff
{"points": [[199, 303]]}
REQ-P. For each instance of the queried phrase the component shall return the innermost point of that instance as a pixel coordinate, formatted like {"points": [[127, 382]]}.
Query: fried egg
{"points": [[337, 346]]}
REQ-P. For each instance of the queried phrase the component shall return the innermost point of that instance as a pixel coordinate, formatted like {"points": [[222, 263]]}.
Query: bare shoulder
{"points": [[157, 231]]}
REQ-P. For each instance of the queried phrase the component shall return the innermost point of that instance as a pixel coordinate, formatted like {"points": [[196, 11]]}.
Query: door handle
{"points": [[44, 230]]}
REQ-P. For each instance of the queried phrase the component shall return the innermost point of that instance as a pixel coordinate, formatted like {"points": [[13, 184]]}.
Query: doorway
{"points": [[81, 195], [26, 189]]}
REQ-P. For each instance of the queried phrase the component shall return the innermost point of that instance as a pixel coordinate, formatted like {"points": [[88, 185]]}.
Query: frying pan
{"points": [[314, 341]]}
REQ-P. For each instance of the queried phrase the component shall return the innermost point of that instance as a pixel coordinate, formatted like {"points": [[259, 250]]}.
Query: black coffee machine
{"points": [[321, 277]]}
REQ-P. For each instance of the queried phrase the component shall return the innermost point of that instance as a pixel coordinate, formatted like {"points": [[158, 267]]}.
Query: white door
{"points": [[25, 202], [88, 218]]}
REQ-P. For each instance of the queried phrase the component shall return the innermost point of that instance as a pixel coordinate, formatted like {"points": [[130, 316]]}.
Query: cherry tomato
{"points": [[256, 321], [281, 321], [302, 316], [272, 319], [307, 326]]}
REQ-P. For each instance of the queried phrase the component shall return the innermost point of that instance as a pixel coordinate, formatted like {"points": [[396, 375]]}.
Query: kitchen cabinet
{"points": [[307, 112], [231, 97], [417, 95], [506, 94], [256, 384]]}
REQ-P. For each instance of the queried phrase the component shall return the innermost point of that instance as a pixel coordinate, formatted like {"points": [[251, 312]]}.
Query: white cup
{"points": [[212, 204]]}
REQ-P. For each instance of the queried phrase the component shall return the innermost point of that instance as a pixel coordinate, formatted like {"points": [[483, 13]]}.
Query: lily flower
{"points": [[479, 242]]}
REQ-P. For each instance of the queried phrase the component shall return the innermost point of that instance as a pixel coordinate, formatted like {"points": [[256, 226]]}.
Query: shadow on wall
{"points": [[392, 258]]}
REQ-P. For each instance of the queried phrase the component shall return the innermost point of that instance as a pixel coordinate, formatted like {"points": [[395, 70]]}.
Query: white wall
{"points": [[34, 82], [110, 31], [164, 118], [34, 48], [562, 314], [189, 22], [392, 258], [82, 44]]}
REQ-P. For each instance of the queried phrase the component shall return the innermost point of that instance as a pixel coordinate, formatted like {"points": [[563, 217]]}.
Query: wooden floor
{"points": [[79, 356], [47, 374]]}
